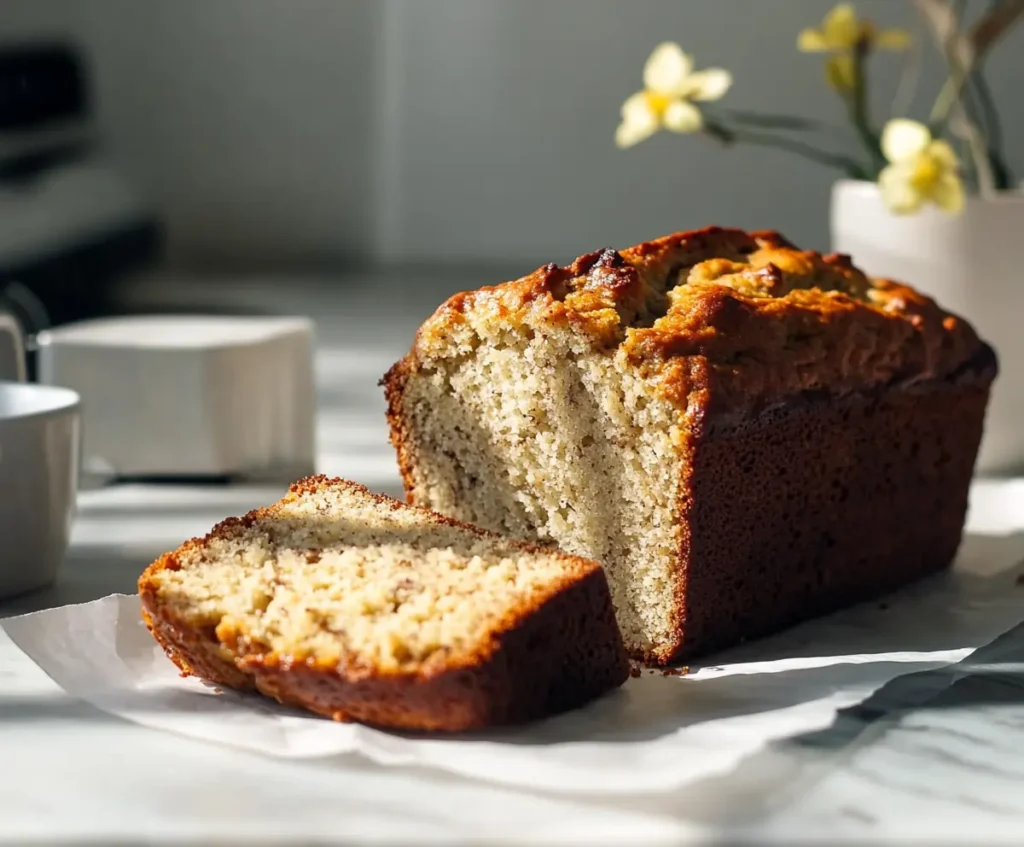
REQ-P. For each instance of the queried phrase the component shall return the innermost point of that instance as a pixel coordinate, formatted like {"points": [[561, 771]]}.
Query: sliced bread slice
{"points": [[358, 607]]}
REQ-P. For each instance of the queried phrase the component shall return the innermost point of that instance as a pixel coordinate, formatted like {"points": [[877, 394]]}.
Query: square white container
{"points": [[189, 396]]}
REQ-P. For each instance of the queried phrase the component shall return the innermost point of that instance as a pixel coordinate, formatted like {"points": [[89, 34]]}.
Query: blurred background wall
{"points": [[315, 133]]}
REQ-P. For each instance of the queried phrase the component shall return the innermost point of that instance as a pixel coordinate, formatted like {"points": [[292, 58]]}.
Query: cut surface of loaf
{"points": [[745, 434], [358, 607]]}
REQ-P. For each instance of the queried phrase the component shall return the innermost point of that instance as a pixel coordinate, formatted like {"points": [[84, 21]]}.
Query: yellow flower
{"points": [[921, 169], [842, 31], [841, 34], [670, 84], [839, 72]]}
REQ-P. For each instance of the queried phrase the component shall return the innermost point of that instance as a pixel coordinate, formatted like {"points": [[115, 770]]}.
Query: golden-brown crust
{"points": [[744, 320], [540, 658], [393, 383], [196, 653]]}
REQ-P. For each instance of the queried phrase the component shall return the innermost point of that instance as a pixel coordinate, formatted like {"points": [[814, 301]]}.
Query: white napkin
{"points": [[655, 734]]}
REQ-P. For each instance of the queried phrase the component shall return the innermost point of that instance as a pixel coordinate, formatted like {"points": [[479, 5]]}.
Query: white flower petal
{"points": [[903, 140], [667, 68], [681, 116], [629, 135], [638, 121], [635, 106], [948, 192], [637, 111], [898, 190], [708, 85]]}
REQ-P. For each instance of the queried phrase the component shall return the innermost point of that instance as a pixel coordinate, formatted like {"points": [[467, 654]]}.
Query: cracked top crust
{"points": [[720, 320]]}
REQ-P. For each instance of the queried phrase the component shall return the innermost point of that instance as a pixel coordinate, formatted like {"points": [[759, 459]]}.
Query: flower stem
{"points": [[949, 96], [851, 167], [990, 114], [950, 109], [859, 108], [992, 129]]}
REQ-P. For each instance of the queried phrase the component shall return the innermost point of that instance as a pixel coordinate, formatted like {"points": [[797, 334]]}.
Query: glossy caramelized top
{"points": [[720, 320]]}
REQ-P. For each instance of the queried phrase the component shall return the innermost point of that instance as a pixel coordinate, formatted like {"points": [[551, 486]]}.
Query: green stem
{"points": [[949, 95], [993, 130], [980, 117], [761, 120], [952, 103], [989, 113], [953, 88], [835, 160], [859, 108], [909, 78]]}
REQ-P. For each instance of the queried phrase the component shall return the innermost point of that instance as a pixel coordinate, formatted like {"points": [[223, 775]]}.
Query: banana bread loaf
{"points": [[743, 433], [360, 608]]}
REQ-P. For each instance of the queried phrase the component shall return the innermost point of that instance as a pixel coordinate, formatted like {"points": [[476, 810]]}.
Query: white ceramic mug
{"points": [[39, 456]]}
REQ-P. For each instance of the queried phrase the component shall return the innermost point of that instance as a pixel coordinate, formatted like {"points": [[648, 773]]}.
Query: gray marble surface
{"points": [[933, 756]]}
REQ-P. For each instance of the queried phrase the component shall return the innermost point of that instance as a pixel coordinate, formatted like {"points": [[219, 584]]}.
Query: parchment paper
{"points": [[657, 733]]}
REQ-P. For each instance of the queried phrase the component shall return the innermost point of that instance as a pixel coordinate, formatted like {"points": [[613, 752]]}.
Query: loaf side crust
{"points": [[393, 383], [821, 504], [539, 659]]}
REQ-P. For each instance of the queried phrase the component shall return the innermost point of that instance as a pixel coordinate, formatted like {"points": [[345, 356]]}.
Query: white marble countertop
{"points": [[906, 765]]}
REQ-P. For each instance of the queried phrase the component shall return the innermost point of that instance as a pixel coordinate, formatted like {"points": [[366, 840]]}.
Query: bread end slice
{"points": [[360, 608]]}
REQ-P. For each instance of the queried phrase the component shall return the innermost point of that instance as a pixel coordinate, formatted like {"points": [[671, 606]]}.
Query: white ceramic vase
{"points": [[973, 265]]}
